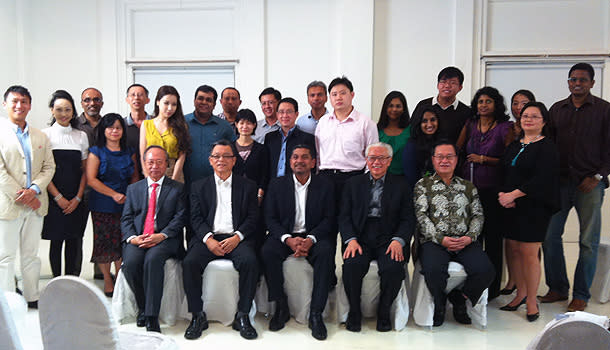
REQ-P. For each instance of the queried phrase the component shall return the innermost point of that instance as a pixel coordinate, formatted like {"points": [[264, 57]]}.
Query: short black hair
{"points": [[207, 89], [316, 83], [312, 152], [543, 111], [341, 81], [451, 72], [230, 88], [583, 66], [224, 142], [443, 142], [137, 85], [106, 122], [290, 100], [270, 91], [18, 89], [246, 114]]}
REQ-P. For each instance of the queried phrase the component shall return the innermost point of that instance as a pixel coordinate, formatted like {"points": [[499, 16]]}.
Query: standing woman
{"points": [[67, 217], [110, 168], [484, 139], [519, 99], [531, 196], [417, 155], [168, 129], [393, 127]]}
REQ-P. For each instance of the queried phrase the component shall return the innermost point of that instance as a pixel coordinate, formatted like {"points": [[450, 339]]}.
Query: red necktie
{"points": [[149, 223]]}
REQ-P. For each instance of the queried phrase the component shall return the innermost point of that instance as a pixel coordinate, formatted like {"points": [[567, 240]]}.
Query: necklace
{"points": [[523, 145], [489, 127]]}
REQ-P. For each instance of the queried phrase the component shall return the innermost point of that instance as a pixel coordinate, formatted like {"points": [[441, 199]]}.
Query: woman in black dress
{"points": [[67, 216], [530, 196], [417, 156]]}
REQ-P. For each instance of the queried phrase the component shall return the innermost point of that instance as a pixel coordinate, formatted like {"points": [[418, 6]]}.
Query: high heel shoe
{"points": [[508, 291], [509, 307], [533, 317]]}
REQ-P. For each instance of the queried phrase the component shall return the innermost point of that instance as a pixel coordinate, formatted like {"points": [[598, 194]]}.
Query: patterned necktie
{"points": [[149, 223]]}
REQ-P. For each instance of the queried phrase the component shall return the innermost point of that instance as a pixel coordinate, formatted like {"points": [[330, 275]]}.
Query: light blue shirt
{"points": [[24, 139], [308, 123], [281, 163], [262, 129]]}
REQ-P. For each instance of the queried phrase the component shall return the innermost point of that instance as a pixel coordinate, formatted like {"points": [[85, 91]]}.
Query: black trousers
{"points": [[435, 260], [274, 253], [492, 235], [197, 259], [144, 271], [73, 255], [391, 273]]}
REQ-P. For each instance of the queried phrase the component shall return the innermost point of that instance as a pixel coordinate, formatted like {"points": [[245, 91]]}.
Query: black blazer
{"points": [[256, 167], [273, 142], [171, 212], [203, 206], [319, 207], [397, 215]]}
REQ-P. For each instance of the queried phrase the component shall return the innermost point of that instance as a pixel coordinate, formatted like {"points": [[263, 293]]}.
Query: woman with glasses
{"points": [[110, 168], [416, 158], [394, 129], [483, 140], [169, 130], [531, 196]]}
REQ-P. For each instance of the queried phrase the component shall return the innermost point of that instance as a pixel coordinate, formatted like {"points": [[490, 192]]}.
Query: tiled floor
{"points": [[506, 330]]}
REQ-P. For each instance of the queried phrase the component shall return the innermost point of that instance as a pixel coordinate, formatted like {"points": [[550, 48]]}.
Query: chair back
{"points": [[9, 337], [74, 314], [575, 335]]}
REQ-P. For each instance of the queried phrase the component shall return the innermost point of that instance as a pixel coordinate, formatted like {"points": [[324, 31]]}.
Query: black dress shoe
{"points": [[384, 325], [533, 317], [243, 325], [353, 323], [508, 307], [439, 315], [316, 324], [141, 319], [152, 324], [109, 294], [199, 323], [508, 291], [459, 307], [33, 304], [280, 317]]}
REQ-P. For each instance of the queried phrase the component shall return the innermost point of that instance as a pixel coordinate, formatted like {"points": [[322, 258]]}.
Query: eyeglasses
{"points": [[443, 156], [533, 117], [157, 162], [580, 80], [95, 99], [283, 112], [448, 82], [219, 156], [382, 159]]}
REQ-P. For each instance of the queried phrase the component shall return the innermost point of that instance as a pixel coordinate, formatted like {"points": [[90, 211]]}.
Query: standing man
{"points": [[230, 101], [452, 113], [224, 219], [300, 215], [316, 97], [281, 142], [269, 99], [26, 168], [376, 223], [580, 126], [137, 99], [92, 102], [152, 222]]}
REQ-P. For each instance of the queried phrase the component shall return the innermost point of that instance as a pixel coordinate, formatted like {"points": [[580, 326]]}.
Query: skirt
{"points": [[106, 237]]}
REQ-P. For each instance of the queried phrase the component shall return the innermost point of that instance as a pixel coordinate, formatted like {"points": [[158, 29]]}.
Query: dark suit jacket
{"points": [[171, 212], [256, 167], [319, 207], [397, 215], [203, 206], [273, 142]]}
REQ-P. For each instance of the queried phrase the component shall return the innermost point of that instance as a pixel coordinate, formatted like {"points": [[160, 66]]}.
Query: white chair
{"points": [[220, 293], [369, 299], [9, 312], [125, 308], [423, 309], [600, 288], [573, 330], [74, 314], [298, 286]]}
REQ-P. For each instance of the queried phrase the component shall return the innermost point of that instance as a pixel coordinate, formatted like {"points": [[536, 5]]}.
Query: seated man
{"points": [[450, 218], [152, 222], [376, 223], [299, 211], [223, 218]]}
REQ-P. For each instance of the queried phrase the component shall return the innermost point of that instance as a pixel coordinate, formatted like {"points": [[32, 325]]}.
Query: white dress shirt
{"points": [[300, 200], [223, 218], [149, 181]]}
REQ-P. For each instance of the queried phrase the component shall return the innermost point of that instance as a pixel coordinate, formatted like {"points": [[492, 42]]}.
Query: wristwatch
{"points": [[598, 177]]}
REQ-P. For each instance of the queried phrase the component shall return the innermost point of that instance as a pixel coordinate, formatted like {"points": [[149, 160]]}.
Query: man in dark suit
{"points": [[299, 212], [376, 223], [152, 233], [223, 218], [280, 142]]}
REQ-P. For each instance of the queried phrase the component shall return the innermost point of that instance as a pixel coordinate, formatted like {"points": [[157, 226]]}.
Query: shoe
{"points": [[353, 323], [199, 323], [18, 291], [98, 276], [141, 319], [384, 325], [33, 304], [577, 305], [280, 317], [533, 317], [439, 315], [242, 324], [316, 324], [552, 297], [109, 294], [459, 307], [152, 324], [508, 291], [508, 307]]}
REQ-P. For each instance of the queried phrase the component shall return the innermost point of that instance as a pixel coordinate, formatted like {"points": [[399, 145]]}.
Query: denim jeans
{"points": [[588, 209]]}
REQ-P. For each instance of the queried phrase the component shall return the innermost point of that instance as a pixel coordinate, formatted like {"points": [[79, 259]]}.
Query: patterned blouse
{"points": [[442, 210]]}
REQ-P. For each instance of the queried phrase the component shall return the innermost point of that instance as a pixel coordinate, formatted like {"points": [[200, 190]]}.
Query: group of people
{"points": [[458, 179]]}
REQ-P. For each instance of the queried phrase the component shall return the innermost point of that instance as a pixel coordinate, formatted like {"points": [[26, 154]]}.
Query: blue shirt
{"points": [[24, 139], [197, 164], [262, 129], [281, 163], [308, 123]]}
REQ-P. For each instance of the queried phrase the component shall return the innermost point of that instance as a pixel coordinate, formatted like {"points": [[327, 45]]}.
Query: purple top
{"points": [[489, 144]]}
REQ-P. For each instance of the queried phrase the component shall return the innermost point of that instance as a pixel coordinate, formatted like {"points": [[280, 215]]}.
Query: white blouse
{"points": [[68, 138]]}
